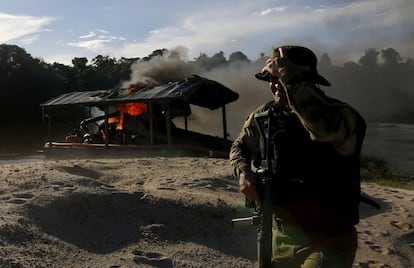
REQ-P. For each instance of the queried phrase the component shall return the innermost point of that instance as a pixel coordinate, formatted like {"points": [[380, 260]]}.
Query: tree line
{"points": [[27, 81]]}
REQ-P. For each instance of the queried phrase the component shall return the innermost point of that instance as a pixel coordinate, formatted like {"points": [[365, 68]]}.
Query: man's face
{"points": [[277, 91]]}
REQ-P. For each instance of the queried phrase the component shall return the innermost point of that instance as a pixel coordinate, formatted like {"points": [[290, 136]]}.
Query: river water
{"points": [[393, 143]]}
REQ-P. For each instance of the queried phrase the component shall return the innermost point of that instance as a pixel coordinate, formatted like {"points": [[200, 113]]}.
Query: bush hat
{"points": [[303, 57]]}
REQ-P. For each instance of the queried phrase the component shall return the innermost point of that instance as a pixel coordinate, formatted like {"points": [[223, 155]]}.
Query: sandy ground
{"points": [[158, 212]]}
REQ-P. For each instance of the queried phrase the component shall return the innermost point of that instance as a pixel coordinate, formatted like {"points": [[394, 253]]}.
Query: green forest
{"points": [[379, 83]]}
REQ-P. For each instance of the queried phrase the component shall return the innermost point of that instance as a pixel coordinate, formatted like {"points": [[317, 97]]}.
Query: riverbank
{"points": [[393, 143], [159, 212]]}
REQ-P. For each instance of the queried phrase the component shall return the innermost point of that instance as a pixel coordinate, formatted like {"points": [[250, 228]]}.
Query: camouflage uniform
{"points": [[326, 120]]}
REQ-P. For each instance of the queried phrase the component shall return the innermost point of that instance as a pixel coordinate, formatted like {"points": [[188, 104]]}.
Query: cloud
{"points": [[200, 33], [29, 40], [270, 10], [97, 43], [16, 26], [347, 28], [195, 32], [111, 38], [102, 31], [368, 24], [89, 35]]}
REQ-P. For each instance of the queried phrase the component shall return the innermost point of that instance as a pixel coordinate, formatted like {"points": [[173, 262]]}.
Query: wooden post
{"points": [[168, 125], [223, 110], [106, 125], [151, 123], [49, 122]]}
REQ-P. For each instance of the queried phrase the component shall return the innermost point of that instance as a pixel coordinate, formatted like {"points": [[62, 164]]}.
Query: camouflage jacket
{"points": [[324, 118]]}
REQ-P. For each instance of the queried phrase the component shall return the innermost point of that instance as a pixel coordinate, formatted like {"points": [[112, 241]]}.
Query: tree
{"points": [[390, 56], [79, 63], [238, 57], [203, 61], [156, 53], [66, 75], [370, 59], [25, 82], [325, 61], [218, 60]]}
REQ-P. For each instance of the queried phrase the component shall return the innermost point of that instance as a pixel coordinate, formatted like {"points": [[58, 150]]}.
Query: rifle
{"points": [[263, 218]]}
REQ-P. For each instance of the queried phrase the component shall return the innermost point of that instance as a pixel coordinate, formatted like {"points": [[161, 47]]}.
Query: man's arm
{"points": [[326, 120], [243, 149]]}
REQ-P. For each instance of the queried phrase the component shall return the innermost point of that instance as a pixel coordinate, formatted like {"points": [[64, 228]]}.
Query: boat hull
{"points": [[82, 150]]}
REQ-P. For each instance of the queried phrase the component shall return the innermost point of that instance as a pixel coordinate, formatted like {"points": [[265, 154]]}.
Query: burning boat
{"points": [[139, 120]]}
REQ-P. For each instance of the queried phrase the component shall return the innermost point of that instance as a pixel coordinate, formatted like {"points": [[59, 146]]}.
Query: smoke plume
{"points": [[174, 66], [380, 94], [171, 66]]}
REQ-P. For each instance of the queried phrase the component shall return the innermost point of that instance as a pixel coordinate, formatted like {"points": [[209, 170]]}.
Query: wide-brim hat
{"points": [[302, 57]]}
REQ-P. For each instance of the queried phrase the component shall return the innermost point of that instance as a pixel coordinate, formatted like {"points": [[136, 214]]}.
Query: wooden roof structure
{"points": [[176, 96]]}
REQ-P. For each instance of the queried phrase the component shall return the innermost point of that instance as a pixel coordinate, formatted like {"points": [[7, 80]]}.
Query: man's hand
{"points": [[247, 184], [277, 67]]}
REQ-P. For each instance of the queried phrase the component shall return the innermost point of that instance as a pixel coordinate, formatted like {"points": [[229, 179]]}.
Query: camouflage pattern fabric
{"points": [[326, 120]]}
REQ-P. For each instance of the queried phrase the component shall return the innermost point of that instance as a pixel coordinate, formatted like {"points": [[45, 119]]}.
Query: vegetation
{"points": [[377, 170], [381, 79], [25, 81]]}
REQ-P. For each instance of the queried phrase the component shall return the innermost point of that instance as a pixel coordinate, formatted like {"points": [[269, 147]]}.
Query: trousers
{"points": [[292, 248]]}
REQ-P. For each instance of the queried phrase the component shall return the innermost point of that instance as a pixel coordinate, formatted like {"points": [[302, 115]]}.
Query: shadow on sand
{"points": [[367, 210], [103, 223]]}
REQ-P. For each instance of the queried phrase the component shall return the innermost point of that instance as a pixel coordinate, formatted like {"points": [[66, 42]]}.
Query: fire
{"points": [[133, 109]]}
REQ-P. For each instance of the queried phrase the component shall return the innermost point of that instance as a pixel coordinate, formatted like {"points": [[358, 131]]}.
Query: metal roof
{"points": [[194, 90]]}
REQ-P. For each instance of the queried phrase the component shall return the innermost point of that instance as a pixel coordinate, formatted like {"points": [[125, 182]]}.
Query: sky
{"points": [[59, 30]]}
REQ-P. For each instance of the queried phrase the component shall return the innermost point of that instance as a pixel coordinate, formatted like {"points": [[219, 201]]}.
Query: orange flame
{"points": [[133, 109]]}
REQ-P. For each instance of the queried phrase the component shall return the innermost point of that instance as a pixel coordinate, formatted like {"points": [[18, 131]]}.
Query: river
{"points": [[391, 142], [394, 143]]}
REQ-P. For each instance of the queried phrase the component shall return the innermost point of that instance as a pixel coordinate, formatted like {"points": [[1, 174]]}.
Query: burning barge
{"points": [[138, 121]]}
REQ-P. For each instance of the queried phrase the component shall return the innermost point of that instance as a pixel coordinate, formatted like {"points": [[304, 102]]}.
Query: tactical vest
{"points": [[313, 172]]}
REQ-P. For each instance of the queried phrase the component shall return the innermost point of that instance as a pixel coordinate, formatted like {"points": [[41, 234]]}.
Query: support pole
{"points": [[49, 121], [151, 123], [45, 117], [168, 125], [223, 110], [106, 127]]}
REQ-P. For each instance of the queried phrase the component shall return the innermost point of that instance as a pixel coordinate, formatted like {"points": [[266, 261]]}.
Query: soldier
{"points": [[316, 182]]}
